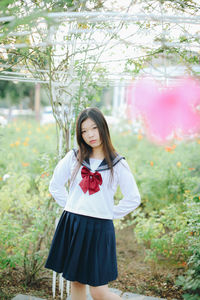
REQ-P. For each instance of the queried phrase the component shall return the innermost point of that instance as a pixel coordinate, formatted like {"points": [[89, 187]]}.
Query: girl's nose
{"points": [[90, 133]]}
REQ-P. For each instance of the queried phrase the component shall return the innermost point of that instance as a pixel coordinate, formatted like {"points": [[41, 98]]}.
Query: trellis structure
{"points": [[102, 48], [116, 20], [94, 48]]}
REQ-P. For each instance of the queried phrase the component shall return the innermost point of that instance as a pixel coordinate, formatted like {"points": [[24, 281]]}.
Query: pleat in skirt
{"points": [[83, 249]]}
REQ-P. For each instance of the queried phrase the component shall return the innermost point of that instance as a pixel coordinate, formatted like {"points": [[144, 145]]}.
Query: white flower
{"points": [[5, 176]]}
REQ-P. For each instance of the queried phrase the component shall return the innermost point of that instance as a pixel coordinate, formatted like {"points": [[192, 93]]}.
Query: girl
{"points": [[83, 246]]}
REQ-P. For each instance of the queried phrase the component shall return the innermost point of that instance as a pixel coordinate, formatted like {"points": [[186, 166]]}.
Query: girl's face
{"points": [[90, 133]]}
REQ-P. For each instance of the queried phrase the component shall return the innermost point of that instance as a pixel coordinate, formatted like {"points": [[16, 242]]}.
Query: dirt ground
{"points": [[140, 277], [135, 275]]}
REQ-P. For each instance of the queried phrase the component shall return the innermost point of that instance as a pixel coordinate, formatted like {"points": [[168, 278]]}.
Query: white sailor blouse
{"points": [[92, 192]]}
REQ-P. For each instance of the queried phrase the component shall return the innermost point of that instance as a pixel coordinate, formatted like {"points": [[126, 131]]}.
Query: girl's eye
{"points": [[82, 132], [95, 127]]}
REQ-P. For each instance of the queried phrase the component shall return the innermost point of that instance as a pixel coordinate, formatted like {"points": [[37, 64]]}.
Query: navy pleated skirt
{"points": [[83, 249]]}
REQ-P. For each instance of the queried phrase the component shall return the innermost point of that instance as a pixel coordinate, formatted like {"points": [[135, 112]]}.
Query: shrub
{"points": [[162, 173], [170, 233], [27, 216], [190, 281], [174, 234], [26, 222]]}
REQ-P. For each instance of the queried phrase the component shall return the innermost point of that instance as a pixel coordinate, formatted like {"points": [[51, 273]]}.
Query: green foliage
{"points": [[28, 212], [24, 143], [190, 282], [24, 223], [15, 94], [173, 234], [168, 220], [163, 173], [170, 233]]}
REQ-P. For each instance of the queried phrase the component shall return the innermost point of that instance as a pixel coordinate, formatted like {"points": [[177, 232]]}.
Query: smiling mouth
{"points": [[93, 141]]}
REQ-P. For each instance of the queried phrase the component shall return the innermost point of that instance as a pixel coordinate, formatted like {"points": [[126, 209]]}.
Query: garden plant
{"points": [[167, 223]]}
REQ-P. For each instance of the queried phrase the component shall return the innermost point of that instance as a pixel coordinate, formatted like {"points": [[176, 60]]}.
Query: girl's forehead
{"points": [[87, 123]]}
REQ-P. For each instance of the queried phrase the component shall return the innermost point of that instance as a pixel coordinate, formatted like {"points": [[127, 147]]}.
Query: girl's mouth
{"points": [[93, 141]]}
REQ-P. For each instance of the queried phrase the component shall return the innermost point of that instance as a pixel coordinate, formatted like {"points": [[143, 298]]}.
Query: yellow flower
{"points": [[38, 129], [1, 178], [25, 143], [44, 174], [47, 137], [9, 250], [139, 137], [184, 264], [17, 143], [27, 139], [29, 132], [168, 149], [198, 141], [12, 145], [18, 129], [151, 163], [25, 164], [178, 164], [82, 26]]}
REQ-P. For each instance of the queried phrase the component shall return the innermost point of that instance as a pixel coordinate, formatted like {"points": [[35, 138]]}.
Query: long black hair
{"points": [[85, 150]]}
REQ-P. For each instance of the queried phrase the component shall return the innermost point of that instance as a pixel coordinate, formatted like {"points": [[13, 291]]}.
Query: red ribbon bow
{"points": [[90, 181]]}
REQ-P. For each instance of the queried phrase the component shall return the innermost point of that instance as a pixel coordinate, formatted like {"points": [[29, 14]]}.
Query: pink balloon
{"points": [[166, 111]]}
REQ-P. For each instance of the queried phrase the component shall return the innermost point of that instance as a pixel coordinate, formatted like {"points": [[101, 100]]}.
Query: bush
{"points": [[170, 233], [190, 282], [162, 173], [167, 221], [174, 234], [27, 221], [28, 212]]}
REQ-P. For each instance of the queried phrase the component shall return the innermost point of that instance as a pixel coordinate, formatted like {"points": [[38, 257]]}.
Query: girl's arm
{"points": [[131, 196], [60, 177]]}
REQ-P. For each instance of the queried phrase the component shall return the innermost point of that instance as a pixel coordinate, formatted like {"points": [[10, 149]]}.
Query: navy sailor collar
{"points": [[103, 165]]}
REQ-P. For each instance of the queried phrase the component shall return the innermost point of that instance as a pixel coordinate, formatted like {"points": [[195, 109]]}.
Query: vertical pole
{"points": [[61, 285], [68, 288], [54, 273], [61, 132], [54, 284], [37, 102]]}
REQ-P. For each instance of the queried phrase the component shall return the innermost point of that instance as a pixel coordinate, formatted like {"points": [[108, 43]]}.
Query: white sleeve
{"points": [[60, 177], [131, 196]]}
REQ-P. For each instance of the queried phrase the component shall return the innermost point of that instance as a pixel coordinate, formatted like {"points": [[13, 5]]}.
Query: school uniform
{"points": [[83, 248]]}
